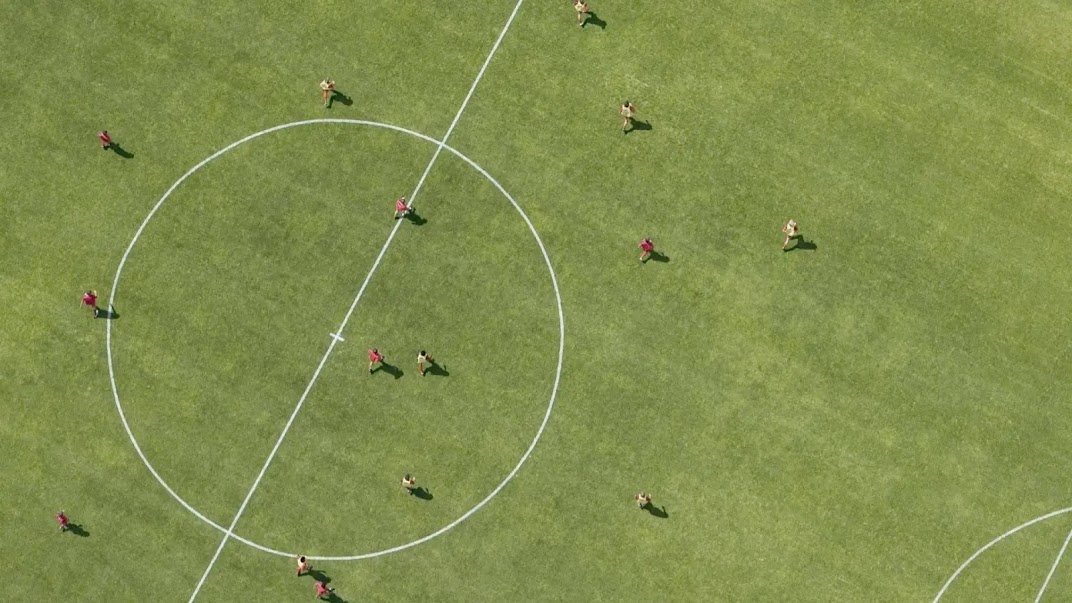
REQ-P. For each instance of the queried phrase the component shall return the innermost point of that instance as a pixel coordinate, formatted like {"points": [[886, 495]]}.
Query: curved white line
{"points": [[992, 543], [442, 146]]}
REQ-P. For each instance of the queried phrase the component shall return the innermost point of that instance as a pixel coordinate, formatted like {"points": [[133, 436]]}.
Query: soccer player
{"points": [[323, 590], [627, 111], [327, 89], [303, 565], [401, 209], [582, 12], [61, 517], [423, 358], [791, 231], [646, 249], [409, 482], [105, 140], [642, 500], [89, 298], [374, 358]]}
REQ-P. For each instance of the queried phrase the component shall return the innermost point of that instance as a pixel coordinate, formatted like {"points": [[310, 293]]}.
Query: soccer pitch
{"points": [[878, 413]]}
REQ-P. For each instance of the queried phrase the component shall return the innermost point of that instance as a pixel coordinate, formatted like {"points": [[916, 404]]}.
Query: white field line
{"points": [[987, 546], [353, 306], [1053, 568]]}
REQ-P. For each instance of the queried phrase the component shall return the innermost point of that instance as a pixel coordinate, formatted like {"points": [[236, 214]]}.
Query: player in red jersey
{"points": [[303, 565], [374, 358], [105, 140], [61, 517], [327, 90], [89, 298], [401, 209], [582, 11], [323, 590], [646, 249]]}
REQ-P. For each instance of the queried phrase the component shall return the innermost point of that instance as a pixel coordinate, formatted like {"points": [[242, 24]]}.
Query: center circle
{"points": [[442, 146]]}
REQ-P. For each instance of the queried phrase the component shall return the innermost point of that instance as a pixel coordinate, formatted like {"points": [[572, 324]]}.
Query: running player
{"points": [[791, 231], [642, 500], [582, 12], [423, 358], [89, 298], [61, 517], [323, 590], [327, 89], [646, 249], [627, 111], [105, 140], [401, 209], [303, 565], [374, 358], [409, 482]]}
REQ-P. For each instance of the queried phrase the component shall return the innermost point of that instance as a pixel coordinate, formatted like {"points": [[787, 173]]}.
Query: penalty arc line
{"points": [[353, 306], [1053, 568]]}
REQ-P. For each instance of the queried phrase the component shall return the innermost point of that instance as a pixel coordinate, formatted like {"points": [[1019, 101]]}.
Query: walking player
{"points": [[374, 358], [627, 111], [401, 209], [791, 231], [327, 89], [89, 298], [423, 359], [582, 12], [646, 249]]}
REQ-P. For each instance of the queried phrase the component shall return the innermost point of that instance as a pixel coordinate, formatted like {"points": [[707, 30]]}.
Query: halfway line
{"points": [[353, 306]]}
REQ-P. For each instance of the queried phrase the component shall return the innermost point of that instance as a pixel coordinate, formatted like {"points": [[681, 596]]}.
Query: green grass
{"points": [[850, 422]]}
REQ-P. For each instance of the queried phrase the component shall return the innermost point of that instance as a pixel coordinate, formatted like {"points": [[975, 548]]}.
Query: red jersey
{"points": [[321, 589], [104, 138], [400, 205], [60, 517], [647, 246], [89, 299], [374, 356]]}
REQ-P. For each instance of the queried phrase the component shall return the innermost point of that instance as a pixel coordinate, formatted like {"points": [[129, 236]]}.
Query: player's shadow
{"points": [[339, 97], [803, 245], [109, 314], [77, 530], [437, 369], [118, 150], [413, 217], [318, 575], [594, 19], [390, 369], [638, 126], [656, 511], [655, 256], [421, 493]]}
